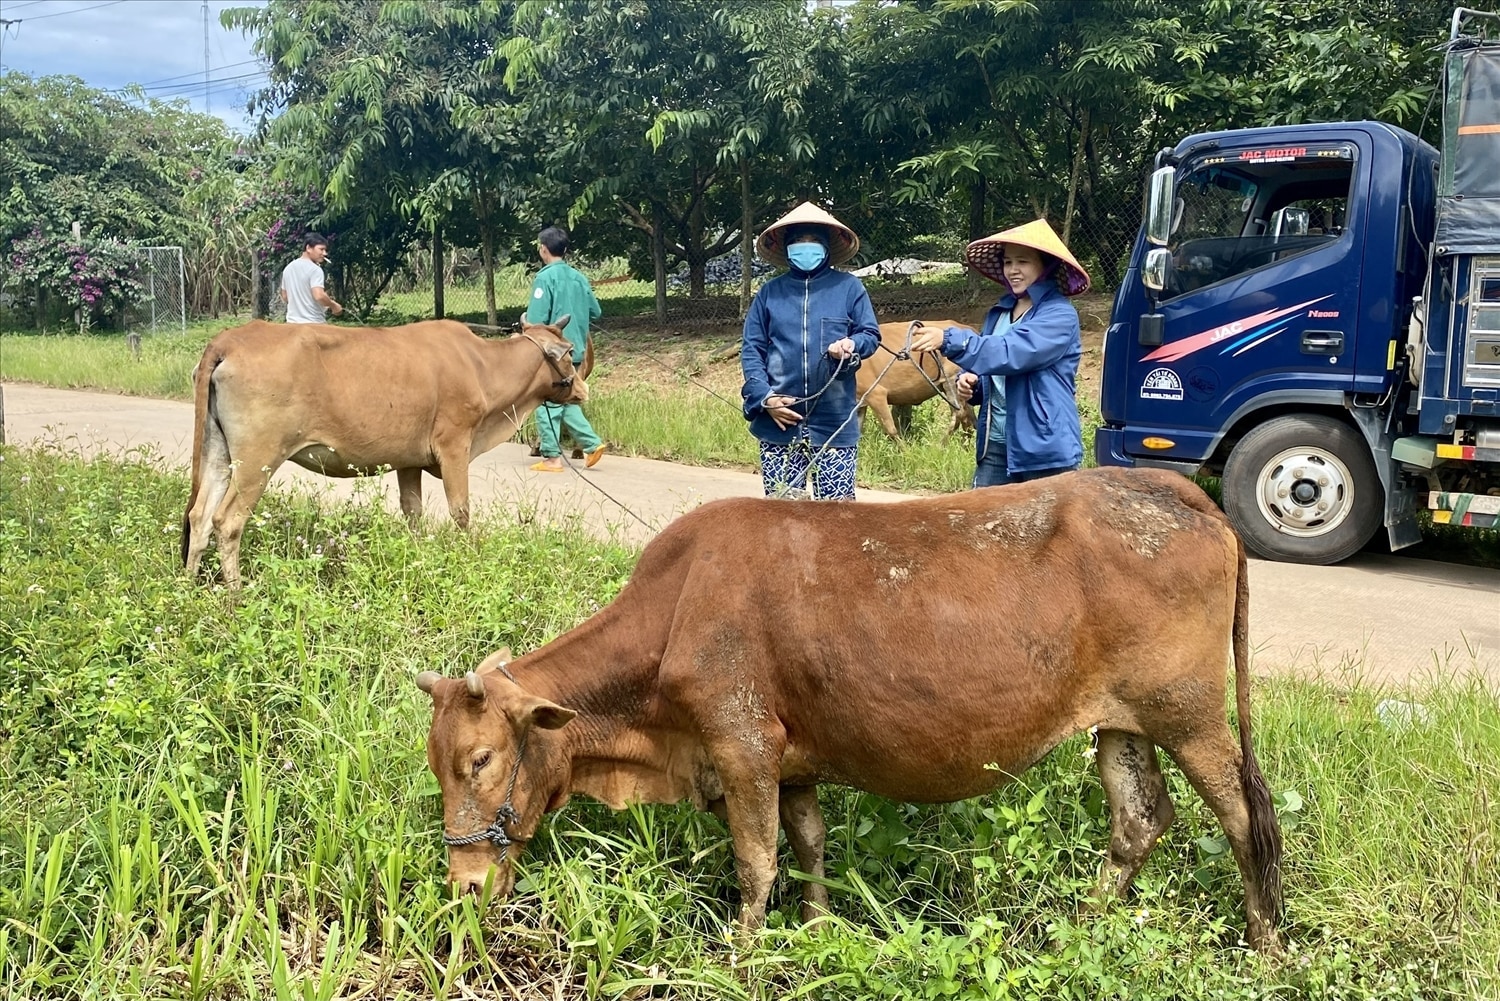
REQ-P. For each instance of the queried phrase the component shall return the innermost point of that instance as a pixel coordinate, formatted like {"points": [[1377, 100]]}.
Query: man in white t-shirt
{"points": [[302, 284]]}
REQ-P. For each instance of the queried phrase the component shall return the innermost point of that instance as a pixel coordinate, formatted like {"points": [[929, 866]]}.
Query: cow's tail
{"points": [[203, 386], [1265, 832]]}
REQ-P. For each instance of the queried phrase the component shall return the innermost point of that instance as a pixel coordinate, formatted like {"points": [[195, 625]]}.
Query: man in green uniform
{"points": [[560, 289]]}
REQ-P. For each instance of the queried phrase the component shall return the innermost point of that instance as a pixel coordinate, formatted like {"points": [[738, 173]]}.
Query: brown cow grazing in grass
{"points": [[762, 647], [886, 380], [354, 401]]}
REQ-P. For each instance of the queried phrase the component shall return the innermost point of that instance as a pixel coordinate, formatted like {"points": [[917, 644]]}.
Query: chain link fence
{"points": [[163, 302]]}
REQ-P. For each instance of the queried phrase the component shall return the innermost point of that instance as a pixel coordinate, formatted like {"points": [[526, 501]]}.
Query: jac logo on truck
{"points": [[1161, 384], [1272, 155], [1246, 333]]}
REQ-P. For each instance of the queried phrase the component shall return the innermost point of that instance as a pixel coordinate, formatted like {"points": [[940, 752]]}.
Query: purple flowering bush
{"points": [[278, 217], [99, 278]]}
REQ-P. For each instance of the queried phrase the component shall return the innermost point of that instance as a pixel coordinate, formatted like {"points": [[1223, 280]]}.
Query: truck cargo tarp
{"points": [[1468, 220]]}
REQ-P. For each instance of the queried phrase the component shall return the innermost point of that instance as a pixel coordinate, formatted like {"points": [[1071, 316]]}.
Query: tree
{"points": [[393, 113], [124, 168], [669, 110], [1054, 107]]}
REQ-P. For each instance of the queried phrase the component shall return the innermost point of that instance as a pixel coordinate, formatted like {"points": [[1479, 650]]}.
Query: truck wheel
{"points": [[1303, 489]]}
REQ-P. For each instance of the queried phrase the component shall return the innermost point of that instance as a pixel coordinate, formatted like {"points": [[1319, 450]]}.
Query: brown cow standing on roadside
{"points": [[761, 648], [353, 401], [885, 380]]}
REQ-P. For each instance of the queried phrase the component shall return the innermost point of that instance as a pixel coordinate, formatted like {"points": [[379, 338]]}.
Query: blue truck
{"points": [[1312, 313]]}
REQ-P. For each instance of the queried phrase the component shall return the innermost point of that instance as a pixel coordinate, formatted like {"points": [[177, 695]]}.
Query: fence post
{"points": [[257, 289], [439, 280]]}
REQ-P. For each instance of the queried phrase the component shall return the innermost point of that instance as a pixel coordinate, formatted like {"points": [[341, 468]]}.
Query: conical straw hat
{"points": [[987, 255], [842, 243]]}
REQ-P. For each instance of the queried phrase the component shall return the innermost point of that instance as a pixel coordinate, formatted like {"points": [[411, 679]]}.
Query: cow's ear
{"points": [[558, 351], [495, 661], [547, 715], [562, 321]]}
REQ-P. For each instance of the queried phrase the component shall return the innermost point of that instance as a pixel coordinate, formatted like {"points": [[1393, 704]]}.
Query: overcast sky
{"points": [[157, 43]]}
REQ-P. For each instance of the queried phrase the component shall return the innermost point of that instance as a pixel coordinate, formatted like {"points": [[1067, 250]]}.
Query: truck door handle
{"points": [[1323, 342]]}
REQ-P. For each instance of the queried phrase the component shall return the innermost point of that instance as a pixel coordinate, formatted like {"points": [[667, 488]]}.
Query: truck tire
{"points": [[1303, 489]]}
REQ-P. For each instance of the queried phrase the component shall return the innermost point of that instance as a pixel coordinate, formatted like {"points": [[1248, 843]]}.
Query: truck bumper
{"points": [[1109, 450]]}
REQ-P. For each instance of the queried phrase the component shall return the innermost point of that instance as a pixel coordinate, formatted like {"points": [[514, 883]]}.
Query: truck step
{"points": [[1469, 510]]}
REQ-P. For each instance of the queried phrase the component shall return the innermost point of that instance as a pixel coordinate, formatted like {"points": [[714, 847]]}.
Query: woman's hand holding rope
{"points": [[780, 409]]}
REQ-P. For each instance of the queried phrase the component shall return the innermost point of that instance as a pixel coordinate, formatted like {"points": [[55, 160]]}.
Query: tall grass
{"points": [[203, 797]]}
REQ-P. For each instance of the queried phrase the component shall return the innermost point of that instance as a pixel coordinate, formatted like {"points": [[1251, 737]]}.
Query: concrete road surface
{"points": [[1381, 618]]}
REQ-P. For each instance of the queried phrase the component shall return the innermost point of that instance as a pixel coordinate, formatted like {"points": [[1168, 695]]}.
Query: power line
{"points": [[236, 88], [76, 10], [31, 3], [188, 87], [180, 76]]}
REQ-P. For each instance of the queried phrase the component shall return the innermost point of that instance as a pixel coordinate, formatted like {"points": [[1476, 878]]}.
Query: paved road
{"points": [[1384, 618]]}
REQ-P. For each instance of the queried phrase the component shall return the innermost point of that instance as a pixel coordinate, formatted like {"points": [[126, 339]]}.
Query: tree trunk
{"points": [[697, 259], [659, 262], [747, 239], [978, 217], [41, 310], [439, 279], [487, 240], [1075, 175]]}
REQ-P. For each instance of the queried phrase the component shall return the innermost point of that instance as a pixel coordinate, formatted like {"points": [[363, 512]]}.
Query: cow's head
{"points": [[490, 753], [568, 384]]}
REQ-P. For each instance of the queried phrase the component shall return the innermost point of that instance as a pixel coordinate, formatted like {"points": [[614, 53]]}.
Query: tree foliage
{"points": [[669, 132]]}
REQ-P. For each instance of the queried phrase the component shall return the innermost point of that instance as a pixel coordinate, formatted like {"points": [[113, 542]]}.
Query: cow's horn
{"points": [[562, 321], [428, 680], [475, 684]]}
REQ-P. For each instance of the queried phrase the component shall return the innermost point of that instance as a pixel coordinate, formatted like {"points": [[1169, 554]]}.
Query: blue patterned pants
{"points": [[798, 469]]}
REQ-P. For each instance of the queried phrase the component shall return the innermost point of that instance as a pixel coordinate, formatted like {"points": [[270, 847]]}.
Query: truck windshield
{"points": [[1238, 212]]}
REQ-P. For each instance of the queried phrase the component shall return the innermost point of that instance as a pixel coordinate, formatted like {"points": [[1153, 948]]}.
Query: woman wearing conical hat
{"points": [[804, 336], [1024, 364]]}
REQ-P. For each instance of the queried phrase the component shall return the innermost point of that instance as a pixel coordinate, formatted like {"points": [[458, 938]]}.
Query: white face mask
{"points": [[806, 256]]}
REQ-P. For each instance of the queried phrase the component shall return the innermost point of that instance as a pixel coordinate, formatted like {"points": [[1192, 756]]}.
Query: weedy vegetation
{"points": [[203, 797]]}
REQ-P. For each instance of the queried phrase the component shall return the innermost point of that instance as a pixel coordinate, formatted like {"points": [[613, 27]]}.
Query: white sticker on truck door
{"points": [[1161, 384]]}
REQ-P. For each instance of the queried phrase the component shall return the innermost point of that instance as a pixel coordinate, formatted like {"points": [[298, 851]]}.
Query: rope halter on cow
{"points": [[506, 813], [562, 381]]}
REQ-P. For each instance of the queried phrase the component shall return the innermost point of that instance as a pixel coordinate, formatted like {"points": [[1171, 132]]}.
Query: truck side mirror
{"points": [[1290, 221], [1158, 265], [1159, 206]]}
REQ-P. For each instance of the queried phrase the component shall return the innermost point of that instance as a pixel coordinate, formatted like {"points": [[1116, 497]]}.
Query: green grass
{"points": [[103, 361], [209, 798]]}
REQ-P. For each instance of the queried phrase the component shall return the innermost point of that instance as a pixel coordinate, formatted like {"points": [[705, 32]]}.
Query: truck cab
{"points": [[1295, 321]]}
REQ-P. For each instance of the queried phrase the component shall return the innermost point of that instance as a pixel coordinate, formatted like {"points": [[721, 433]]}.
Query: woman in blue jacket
{"points": [[805, 334], [1024, 363]]}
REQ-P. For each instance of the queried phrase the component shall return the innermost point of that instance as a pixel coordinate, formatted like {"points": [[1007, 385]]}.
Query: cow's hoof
{"points": [[577, 452], [536, 449]]}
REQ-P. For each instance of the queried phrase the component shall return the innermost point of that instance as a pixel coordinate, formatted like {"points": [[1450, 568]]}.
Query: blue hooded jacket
{"points": [[1039, 357], [784, 352]]}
